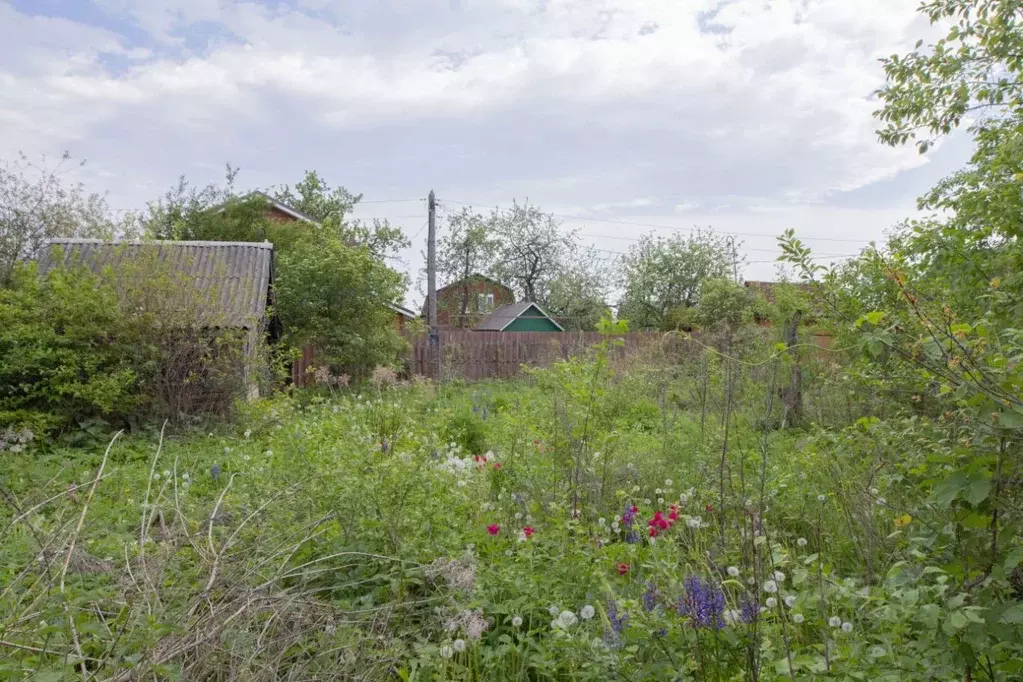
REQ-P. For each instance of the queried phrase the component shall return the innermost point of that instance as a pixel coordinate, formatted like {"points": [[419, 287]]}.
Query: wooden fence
{"points": [[476, 355]]}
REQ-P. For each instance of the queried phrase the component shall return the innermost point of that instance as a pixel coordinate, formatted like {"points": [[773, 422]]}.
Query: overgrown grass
{"points": [[355, 537]]}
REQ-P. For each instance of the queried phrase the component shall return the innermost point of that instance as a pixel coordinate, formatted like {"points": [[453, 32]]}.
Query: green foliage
{"points": [[725, 304], [335, 297], [663, 276], [466, 429], [62, 352]]}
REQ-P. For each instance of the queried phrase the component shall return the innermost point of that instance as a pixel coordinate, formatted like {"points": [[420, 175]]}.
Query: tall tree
{"points": [[663, 276], [467, 248], [37, 204], [577, 295], [533, 250]]}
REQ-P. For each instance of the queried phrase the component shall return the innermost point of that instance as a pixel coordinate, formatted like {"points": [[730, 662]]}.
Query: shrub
{"points": [[466, 430]]}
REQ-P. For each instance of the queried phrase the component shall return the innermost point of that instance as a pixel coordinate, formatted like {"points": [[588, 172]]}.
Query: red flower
{"points": [[635, 509], [653, 531], [710, 509], [623, 568], [527, 531], [493, 529], [497, 465]]}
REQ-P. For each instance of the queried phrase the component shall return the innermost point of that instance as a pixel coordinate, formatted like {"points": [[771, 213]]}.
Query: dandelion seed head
{"points": [[517, 621], [587, 612], [770, 587], [733, 571], [835, 621], [797, 618], [790, 600], [847, 627], [801, 542], [459, 645], [771, 603]]}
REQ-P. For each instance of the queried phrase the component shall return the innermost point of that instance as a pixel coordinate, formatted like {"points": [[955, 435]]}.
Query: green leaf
{"points": [[978, 490], [954, 623], [949, 489], [1013, 614], [1014, 559]]}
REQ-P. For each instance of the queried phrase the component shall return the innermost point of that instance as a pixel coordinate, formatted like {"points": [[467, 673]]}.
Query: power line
{"points": [[747, 248], [667, 227]]}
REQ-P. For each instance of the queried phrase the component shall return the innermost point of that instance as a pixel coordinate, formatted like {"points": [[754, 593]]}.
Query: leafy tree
{"points": [[532, 251], [469, 247], [335, 298], [576, 296], [662, 277], [36, 205]]}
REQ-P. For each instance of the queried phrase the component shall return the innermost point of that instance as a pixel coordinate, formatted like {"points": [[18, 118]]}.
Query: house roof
{"points": [[402, 310], [238, 274], [502, 317], [474, 276], [767, 288], [284, 208]]}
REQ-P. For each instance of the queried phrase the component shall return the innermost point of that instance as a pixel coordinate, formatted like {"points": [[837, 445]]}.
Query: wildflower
{"points": [[801, 542], [709, 508], [215, 471], [623, 568], [497, 466], [247, 433], [601, 521], [166, 473], [615, 527], [847, 627], [246, 458], [269, 453], [770, 587], [797, 618], [657, 491], [750, 610], [821, 498], [779, 576], [771, 603], [553, 610], [527, 532], [733, 571], [586, 612], [518, 516], [618, 623], [835, 621], [660, 500], [508, 552], [566, 619], [459, 645], [629, 515], [694, 522], [877, 652], [790, 600], [493, 529], [461, 484], [873, 492], [733, 617], [703, 602], [650, 597], [667, 482], [227, 451], [635, 488], [184, 476], [517, 622], [683, 498], [617, 518], [446, 651], [632, 537]]}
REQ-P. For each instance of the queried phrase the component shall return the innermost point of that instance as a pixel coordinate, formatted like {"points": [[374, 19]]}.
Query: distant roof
{"points": [[498, 320], [237, 273], [284, 208], [476, 275], [402, 310]]}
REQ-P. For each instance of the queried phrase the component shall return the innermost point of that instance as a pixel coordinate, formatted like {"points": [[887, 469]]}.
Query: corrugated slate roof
{"points": [[238, 274], [505, 315]]}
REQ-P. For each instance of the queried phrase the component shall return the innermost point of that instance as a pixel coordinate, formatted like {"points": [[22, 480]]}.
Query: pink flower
{"points": [[497, 465], [623, 568], [527, 531], [493, 529]]}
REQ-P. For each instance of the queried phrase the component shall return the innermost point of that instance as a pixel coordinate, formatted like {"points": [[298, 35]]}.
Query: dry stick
{"points": [[209, 535], [820, 581], [145, 523], [70, 551], [27, 512]]}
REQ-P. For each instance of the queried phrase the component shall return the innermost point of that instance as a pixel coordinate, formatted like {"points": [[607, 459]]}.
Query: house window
{"points": [[484, 302]]}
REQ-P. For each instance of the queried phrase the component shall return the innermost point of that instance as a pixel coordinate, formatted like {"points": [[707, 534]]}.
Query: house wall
{"points": [[449, 303], [532, 324]]}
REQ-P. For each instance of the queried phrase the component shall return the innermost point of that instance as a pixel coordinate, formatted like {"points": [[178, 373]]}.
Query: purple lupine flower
{"points": [[215, 472], [618, 623], [650, 597], [632, 537], [703, 602], [749, 607], [384, 445]]}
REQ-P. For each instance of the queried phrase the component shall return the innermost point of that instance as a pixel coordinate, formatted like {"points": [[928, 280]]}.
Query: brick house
{"points": [[485, 295]]}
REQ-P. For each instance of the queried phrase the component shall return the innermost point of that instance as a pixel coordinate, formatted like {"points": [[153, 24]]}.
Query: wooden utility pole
{"points": [[431, 285]]}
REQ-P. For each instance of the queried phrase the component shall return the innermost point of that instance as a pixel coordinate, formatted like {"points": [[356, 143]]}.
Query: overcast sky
{"points": [[745, 116]]}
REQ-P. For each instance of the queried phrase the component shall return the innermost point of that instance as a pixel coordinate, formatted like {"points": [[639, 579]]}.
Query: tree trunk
{"points": [[794, 393]]}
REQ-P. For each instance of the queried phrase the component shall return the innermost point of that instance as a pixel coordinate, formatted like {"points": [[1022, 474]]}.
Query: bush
{"points": [[467, 431]]}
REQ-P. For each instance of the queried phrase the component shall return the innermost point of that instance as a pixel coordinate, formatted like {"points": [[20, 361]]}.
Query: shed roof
{"points": [[476, 276], [238, 274], [504, 316]]}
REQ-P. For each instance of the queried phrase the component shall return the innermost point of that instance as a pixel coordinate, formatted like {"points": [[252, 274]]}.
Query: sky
{"points": [[622, 117]]}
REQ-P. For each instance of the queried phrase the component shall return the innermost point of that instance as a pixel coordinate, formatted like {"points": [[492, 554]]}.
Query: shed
{"points": [[236, 277], [524, 316]]}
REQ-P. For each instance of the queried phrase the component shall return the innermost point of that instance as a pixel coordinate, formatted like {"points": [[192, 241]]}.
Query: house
{"points": [[235, 277], [484, 295], [402, 317], [519, 317]]}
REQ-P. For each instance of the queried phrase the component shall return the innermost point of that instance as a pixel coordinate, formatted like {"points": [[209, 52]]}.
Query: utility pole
{"points": [[431, 284], [735, 260]]}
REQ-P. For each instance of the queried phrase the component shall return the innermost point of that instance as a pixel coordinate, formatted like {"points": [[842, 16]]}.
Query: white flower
{"points": [[667, 482], [779, 576], [658, 491], [245, 457], [227, 451], [508, 552], [269, 453], [733, 571], [733, 616], [873, 491], [652, 540], [156, 476], [459, 645], [247, 433], [517, 622], [646, 500], [683, 498], [660, 500], [770, 587], [835, 621], [877, 652], [797, 618], [615, 526], [694, 522], [635, 488], [821, 498], [618, 518], [166, 473], [771, 602], [567, 619], [751, 581], [601, 521], [518, 515], [529, 518], [586, 612], [847, 627], [446, 651], [801, 542], [553, 610], [790, 600], [461, 484], [184, 476]]}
